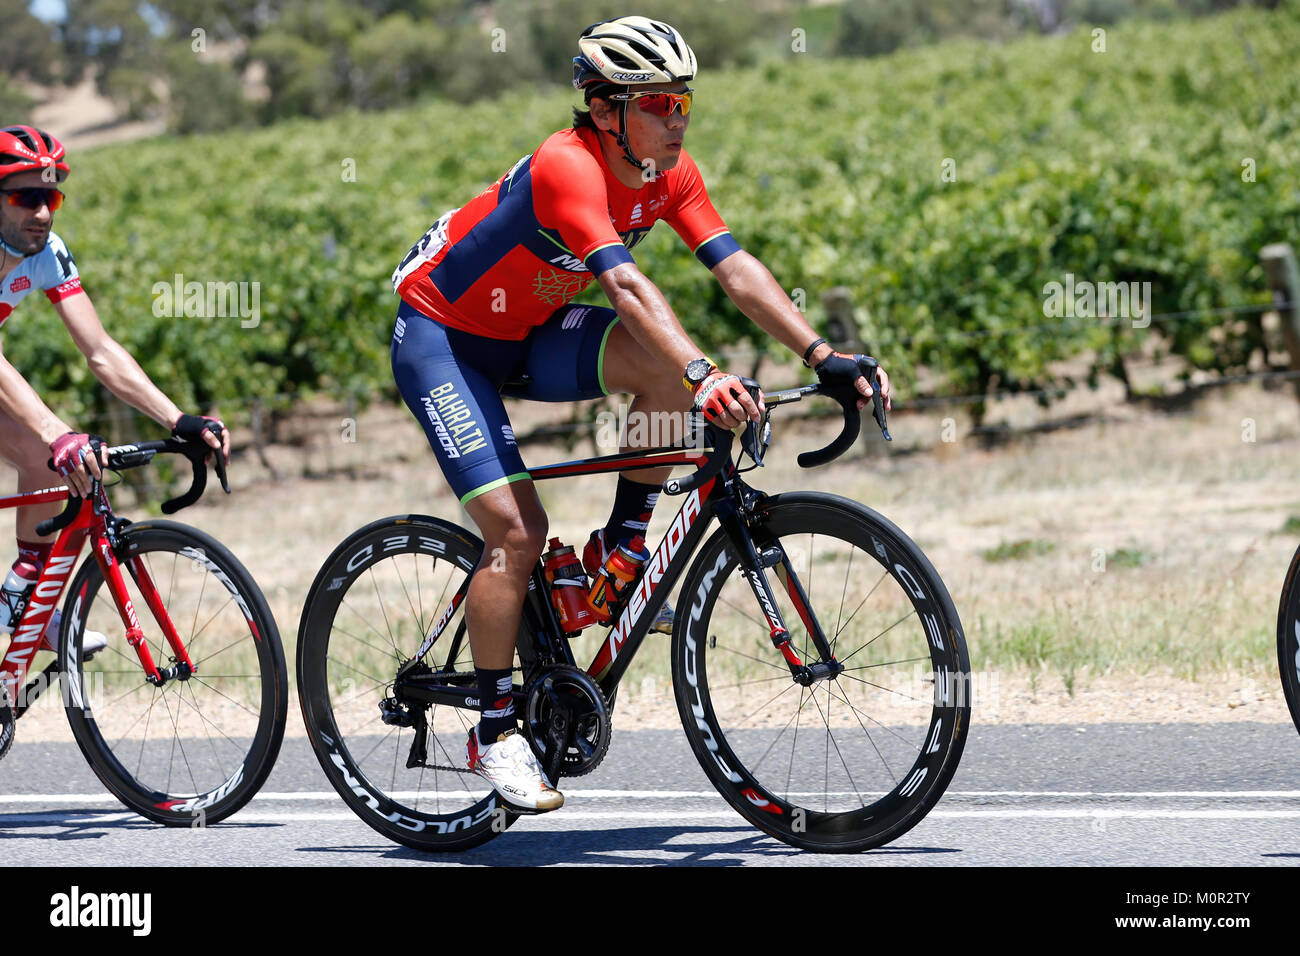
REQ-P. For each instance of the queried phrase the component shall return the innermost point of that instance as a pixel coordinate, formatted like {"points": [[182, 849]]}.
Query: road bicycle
{"points": [[1288, 639], [838, 735], [182, 714]]}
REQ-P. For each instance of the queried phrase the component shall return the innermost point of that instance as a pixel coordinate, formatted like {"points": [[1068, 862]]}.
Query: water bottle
{"points": [[614, 581], [568, 584], [13, 598]]}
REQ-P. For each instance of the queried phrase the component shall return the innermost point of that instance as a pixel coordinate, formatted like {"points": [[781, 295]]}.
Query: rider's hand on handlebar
{"points": [[725, 401], [838, 367], [195, 428], [72, 457]]}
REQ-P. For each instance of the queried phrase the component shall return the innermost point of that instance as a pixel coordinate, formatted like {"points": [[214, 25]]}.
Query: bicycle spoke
{"points": [[194, 635], [203, 586], [245, 709], [910, 743], [374, 681], [382, 609], [839, 613], [794, 740], [871, 740], [865, 599], [886, 689], [831, 741], [744, 720], [392, 652], [775, 740], [747, 615], [747, 683], [392, 648], [750, 657], [407, 594], [883, 633], [237, 642], [208, 727], [207, 721], [905, 660]]}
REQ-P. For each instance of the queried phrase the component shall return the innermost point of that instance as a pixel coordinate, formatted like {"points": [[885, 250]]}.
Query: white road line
{"points": [[681, 817], [595, 794]]}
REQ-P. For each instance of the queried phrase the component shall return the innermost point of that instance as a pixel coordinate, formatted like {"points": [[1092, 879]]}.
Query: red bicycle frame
{"points": [[94, 520]]}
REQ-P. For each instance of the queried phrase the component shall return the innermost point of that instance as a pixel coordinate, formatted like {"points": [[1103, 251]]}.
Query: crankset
{"points": [[567, 720]]}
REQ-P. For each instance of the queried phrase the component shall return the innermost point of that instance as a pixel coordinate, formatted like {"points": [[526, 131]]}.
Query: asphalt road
{"points": [[1100, 795]]}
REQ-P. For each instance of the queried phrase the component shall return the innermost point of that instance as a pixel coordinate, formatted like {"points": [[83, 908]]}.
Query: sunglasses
{"points": [[34, 198], [658, 104]]}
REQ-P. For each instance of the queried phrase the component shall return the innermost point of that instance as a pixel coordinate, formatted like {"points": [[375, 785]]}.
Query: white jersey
{"points": [[51, 270]]}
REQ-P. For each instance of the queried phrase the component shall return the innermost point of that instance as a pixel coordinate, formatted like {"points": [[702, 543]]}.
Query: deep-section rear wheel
{"points": [[375, 601]]}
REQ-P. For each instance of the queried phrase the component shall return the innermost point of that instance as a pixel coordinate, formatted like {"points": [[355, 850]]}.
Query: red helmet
{"points": [[25, 148]]}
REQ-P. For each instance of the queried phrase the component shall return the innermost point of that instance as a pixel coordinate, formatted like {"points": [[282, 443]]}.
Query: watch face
{"points": [[698, 370]]}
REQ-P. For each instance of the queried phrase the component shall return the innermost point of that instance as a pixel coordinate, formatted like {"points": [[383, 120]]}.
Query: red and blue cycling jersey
{"points": [[505, 261]]}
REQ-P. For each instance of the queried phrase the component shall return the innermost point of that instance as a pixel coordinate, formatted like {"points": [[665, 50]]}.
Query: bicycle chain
{"points": [[466, 770]]}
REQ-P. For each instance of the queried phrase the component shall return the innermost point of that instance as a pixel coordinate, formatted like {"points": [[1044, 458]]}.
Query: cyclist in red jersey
{"points": [[32, 256], [485, 307]]}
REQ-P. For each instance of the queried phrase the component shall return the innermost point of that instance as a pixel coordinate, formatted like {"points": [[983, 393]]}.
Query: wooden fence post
{"points": [[1283, 274], [842, 329], [259, 439]]}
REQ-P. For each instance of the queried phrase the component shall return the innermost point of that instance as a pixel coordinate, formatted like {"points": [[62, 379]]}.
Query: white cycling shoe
{"points": [[91, 643], [511, 767]]}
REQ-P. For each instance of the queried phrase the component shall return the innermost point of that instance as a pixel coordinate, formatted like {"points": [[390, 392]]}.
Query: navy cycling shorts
{"points": [[453, 382]]}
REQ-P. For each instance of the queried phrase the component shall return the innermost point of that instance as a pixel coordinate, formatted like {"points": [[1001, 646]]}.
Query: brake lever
{"points": [[757, 434], [869, 366], [218, 459]]}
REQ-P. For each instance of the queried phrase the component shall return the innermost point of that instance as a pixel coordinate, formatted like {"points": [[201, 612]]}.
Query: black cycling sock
{"points": [[496, 704], [634, 503]]}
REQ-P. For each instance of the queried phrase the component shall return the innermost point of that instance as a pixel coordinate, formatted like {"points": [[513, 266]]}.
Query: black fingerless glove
{"points": [[838, 369], [191, 427]]}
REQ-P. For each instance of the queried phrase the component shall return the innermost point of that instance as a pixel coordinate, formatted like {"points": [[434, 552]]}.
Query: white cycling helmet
{"points": [[632, 50], [625, 51]]}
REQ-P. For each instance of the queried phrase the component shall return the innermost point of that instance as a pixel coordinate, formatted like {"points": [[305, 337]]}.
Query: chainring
{"points": [[567, 719]]}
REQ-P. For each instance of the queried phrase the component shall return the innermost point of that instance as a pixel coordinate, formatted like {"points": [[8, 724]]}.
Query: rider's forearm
{"points": [[20, 402], [646, 313], [757, 294], [122, 376]]}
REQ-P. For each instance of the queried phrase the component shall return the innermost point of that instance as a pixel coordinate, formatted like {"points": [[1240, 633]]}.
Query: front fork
{"points": [[105, 547], [753, 564]]}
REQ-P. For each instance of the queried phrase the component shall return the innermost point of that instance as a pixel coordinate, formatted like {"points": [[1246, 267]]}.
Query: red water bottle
{"points": [[613, 582], [568, 584]]}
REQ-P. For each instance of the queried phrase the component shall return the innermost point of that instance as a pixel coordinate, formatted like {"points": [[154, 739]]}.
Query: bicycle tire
{"points": [[1288, 639], [893, 610], [196, 750], [345, 665]]}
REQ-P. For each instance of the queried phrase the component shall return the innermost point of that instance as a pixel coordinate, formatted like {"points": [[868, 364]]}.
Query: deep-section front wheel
{"points": [[195, 748], [856, 748], [1288, 638], [377, 599]]}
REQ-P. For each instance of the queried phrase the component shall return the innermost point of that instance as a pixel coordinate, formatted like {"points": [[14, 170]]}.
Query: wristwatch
{"points": [[697, 370]]}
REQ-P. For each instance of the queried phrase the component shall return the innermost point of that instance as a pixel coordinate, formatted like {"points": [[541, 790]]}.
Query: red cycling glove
{"points": [[716, 393], [67, 451]]}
